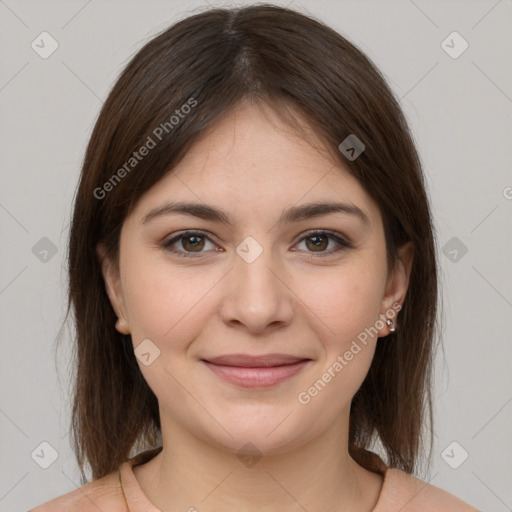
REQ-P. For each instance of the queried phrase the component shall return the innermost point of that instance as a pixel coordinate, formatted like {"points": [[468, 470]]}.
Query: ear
{"points": [[113, 288], [396, 285]]}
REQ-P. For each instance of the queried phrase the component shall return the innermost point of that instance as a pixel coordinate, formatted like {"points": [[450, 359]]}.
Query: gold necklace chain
{"points": [[122, 489]]}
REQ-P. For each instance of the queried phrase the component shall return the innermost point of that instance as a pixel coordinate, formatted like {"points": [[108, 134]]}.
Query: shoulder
{"points": [[101, 494], [404, 492]]}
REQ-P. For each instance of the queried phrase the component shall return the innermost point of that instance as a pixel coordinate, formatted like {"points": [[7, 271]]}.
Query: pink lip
{"points": [[259, 371]]}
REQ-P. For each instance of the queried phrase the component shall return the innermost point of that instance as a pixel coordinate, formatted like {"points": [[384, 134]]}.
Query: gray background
{"points": [[460, 113]]}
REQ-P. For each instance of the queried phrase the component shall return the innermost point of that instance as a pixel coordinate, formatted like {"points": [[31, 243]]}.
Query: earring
{"points": [[390, 324]]}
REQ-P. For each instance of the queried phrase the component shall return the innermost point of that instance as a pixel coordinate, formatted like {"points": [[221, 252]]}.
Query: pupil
{"points": [[193, 244], [318, 239]]}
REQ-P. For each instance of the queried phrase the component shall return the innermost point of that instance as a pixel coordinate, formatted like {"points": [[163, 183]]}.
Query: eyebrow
{"points": [[293, 214]]}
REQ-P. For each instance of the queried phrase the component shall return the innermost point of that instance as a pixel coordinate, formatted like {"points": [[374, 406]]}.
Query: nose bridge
{"points": [[258, 296], [252, 267]]}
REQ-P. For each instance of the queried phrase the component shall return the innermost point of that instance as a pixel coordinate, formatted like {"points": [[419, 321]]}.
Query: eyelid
{"points": [[342, 241], [334, 234], [184, 234]]}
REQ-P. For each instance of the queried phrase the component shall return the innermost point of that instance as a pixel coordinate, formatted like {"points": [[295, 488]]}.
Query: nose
{"points": [[256, 295]]}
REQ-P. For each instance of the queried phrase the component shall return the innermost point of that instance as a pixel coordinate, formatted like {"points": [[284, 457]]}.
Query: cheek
{"points": [[347, 300], [165, 306], [170, 309], [345, 309], [156, 300]]}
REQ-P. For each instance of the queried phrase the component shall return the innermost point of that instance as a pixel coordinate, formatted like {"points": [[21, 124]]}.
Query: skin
{"points": [[289, 300]]}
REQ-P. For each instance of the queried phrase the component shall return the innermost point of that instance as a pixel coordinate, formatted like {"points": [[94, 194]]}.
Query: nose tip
{"points": [[256, 297]]}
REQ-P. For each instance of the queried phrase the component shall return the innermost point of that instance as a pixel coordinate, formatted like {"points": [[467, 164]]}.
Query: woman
{"points": [[253, 279]]}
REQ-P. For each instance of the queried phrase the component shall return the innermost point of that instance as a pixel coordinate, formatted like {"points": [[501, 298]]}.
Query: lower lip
{"points": [[258, 377]]}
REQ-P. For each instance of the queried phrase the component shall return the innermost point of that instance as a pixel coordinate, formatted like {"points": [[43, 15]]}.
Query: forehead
{"points": [[253, 162]]}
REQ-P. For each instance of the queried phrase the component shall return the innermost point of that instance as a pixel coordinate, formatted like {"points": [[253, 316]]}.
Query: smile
{"points": [[256, 376]]}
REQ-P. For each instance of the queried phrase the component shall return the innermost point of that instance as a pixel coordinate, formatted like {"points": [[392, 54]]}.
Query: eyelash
{"points": [[343, 243]]}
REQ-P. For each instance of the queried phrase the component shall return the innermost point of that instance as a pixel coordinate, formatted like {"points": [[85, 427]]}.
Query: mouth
{"points": [[256, 371]]}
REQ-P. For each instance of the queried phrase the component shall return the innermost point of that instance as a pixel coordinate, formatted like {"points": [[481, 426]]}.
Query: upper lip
{"points": [[247, 361]]}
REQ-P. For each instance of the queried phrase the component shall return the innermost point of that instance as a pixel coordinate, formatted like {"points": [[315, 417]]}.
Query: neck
{"points": [[191, 474]]}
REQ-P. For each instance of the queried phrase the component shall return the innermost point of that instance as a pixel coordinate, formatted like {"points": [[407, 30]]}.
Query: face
{"points": [[262, 278]]}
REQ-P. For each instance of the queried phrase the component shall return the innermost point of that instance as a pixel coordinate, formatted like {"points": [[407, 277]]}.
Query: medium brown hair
{"points": [[279, 57]]}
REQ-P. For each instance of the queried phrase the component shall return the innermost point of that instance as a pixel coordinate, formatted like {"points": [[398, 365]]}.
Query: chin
{"points": [[258, 438]]}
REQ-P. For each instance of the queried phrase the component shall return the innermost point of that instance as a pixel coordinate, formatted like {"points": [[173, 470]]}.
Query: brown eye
{"points": [[316, 243], [191, 244]]}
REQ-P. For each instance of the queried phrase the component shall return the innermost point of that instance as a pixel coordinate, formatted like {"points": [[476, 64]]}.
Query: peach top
{"points": [[119, 491]]}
